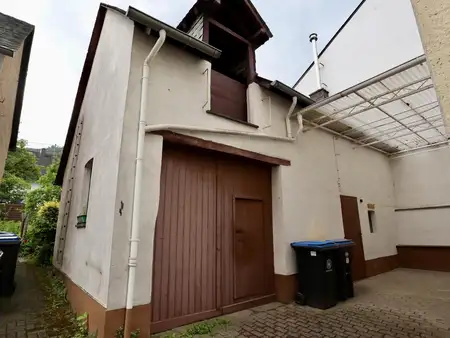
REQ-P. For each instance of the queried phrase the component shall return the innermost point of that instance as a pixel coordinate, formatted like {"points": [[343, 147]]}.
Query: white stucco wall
{"points": [[306, 201], [423, 180], [87, 255], [382, 34]]}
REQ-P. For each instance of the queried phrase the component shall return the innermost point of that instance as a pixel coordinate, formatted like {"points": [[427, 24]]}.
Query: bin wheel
{"points": [[300, 299]]}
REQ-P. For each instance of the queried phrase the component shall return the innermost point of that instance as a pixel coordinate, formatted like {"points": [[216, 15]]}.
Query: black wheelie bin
{"points": [[317, 279], [344, 276], [9, 251]]}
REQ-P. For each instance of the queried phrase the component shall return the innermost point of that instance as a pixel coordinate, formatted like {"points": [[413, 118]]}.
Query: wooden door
{"points": [[352, 230], [245, 228], [213, 241], [184, 276]]}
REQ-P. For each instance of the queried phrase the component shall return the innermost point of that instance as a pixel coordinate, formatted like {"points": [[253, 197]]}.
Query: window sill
{"points": [[233, 119], [80, 225]]}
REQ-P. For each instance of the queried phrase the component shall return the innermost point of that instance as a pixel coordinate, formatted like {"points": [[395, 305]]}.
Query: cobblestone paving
{"points": [[399, 304], [21, 314]]}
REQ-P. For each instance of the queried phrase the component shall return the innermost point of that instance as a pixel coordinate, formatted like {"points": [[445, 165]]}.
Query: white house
{"points": [[186, 176], [379, 38], [16, 38]]}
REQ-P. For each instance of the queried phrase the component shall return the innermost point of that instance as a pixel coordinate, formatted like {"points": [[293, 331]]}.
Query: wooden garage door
{"points": [[213, 240]]}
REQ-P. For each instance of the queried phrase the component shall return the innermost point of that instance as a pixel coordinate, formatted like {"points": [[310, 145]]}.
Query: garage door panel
{"points": [[184, 280], [213, 239]]}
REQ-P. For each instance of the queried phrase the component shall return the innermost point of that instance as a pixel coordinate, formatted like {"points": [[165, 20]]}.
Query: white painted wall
{"points": [[87, 255], [423, 180], [197, 28], [305, 194], [382, 34]]}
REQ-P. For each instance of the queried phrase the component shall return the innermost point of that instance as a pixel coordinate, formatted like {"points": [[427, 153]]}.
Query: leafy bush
{"points": [[13, 189], [46, 192], [41, 236], [10, 226]]}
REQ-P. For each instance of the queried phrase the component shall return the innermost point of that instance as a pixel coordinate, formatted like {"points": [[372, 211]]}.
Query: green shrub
{"points": [[41, 236], [10, 226]]}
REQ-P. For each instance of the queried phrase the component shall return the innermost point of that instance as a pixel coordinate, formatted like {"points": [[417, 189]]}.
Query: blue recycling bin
{"points": [[324, 272], [9, 251]]}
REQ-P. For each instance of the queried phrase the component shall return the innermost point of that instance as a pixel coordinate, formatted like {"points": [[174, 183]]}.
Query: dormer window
{"points": [[234, 27]]}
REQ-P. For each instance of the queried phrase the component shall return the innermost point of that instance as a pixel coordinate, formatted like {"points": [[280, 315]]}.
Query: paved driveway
{"points": [[401, 303]]}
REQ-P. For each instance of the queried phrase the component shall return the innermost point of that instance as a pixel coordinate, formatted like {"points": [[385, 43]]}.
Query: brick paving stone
{"points": [[20, 315], [398, 304]]}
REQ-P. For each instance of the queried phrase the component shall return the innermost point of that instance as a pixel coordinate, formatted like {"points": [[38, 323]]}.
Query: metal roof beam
{"points": [[343, 136], [375, 106], [413, 109], [414, 62], [396, 138], [373, 98], [355, 129], [396, 128], [447, 142], [393, 117]]}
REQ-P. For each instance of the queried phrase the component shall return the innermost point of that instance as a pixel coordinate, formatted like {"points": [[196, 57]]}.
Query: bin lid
{"points": [[9, 238], [314, 244], [344, 242]]}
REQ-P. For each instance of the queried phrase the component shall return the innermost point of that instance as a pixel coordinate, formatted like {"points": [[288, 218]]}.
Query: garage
{"points": [[213, 241]]}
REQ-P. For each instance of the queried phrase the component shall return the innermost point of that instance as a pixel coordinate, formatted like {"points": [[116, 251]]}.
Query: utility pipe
{"points": [[288, 116], [135, 222], [313, 40], [178, 127]]}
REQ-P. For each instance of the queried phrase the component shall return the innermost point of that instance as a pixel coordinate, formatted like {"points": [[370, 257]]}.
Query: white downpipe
{"points": [[313, 40], [178, 127], [135, 223], [288, 116]]}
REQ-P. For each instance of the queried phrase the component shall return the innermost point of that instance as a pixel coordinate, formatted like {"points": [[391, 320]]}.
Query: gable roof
{"points": [[174, 36], [331, 40], [13, 34], [210, 6]]}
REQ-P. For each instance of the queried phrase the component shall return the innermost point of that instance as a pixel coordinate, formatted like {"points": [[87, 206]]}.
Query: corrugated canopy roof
{"points": [[13, 33], [395, 112]]}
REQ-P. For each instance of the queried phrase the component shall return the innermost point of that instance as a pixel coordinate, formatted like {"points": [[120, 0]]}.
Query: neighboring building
{"points": [[16, 38], [45, 156], [374, 76], [223, 182]]}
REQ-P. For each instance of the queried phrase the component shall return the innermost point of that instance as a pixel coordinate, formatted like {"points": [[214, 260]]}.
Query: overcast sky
{"points": [[63, 30]]}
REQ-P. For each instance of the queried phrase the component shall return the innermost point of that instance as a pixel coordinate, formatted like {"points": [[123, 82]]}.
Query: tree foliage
{"points": [[46, 192], [22, 163], [20, 170], [13, 189]]}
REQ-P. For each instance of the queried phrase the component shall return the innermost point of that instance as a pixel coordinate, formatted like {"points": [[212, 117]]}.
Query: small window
{"points": [[372, 223], [87, 178]]}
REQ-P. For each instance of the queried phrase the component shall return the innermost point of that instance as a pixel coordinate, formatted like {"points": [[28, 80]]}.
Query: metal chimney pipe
{"points": [[313, 40]]}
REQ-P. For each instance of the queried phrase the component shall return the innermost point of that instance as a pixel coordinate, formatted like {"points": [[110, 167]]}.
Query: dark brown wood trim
{"points": [[426, 257], [248, 304], [251, 65], [229, 31], [285, 288], [205, 30], [381, 265], [431, 207], [233, 119], [258, 18], [172, 137]]}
